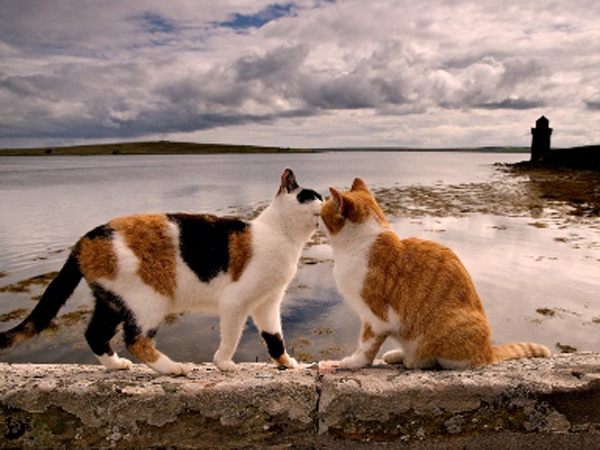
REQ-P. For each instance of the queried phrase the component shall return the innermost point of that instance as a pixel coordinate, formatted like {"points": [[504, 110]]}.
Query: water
{"points": [[46, 204]]}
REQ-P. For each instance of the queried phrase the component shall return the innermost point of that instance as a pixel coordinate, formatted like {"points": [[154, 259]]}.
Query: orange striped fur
{"points": [[414, 290]]}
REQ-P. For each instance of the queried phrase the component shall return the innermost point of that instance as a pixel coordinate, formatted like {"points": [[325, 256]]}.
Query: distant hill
{"points": [[147, 148], [191, 148]]}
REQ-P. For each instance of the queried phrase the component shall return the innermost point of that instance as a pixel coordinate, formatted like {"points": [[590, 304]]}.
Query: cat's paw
{"points": [[226, 366], [394, 357], [114, 362], [179, 370], [287, 361], [124, 364], [174, 370], [165, 366], [353, 362]]}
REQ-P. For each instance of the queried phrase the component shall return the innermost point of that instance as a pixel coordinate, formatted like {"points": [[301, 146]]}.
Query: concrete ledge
{"points": [[554, 403]]}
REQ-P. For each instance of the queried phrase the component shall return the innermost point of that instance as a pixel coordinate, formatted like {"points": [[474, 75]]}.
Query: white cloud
{"points": [[299, 73]]}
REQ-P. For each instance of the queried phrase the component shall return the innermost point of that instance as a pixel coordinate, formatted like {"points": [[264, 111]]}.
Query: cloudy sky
{"points": [[299, 73]]}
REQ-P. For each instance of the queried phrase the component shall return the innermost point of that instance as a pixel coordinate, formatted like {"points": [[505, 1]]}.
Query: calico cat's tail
{"points": [[519, 350], [55, 296]]}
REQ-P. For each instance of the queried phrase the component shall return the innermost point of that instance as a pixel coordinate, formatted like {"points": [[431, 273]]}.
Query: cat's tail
{"points": [[519, 350], [55, 296]]}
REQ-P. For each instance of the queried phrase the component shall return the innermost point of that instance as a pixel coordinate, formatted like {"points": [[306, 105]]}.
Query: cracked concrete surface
{"points": [[554, 403]]}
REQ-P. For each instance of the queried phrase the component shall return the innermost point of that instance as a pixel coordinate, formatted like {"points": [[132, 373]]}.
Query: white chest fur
{"points": [[351, 248], [274, 257]]}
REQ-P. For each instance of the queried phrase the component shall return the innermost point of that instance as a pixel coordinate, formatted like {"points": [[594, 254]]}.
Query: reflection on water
{"points": [[538, 278]]}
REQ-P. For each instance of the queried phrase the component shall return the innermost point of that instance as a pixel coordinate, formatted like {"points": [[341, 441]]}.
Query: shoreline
{"points": [[189, 148]]}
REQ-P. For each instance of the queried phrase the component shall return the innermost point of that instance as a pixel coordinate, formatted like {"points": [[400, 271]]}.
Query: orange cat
{"points": [[414, 290]]}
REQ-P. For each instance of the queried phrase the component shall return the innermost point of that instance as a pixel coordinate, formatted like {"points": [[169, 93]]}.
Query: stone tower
{"points": [[540, 141]]}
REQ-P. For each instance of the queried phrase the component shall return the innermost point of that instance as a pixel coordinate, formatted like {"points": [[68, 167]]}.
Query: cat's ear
{"points": [[337, 199], [359, 185], [341, 203], [288, 182]]}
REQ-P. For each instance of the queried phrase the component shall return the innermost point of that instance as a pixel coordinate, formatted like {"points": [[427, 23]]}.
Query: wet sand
{"points": [[562, 195]]}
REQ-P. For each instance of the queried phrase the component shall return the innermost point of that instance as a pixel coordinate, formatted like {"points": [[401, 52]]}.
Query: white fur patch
{"points": [[356, 361], [113, 362], [351, 247], [166, 366], [394, 356], [148, 306]]}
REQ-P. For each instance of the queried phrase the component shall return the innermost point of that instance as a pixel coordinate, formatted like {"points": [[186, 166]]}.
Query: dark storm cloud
{"points": [[279, 65], [117, 101], [519, 70], [593, 105], [512, 104]]}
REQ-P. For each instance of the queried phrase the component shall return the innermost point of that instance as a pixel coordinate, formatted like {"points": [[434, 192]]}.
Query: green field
{"points": [[147, 148]]}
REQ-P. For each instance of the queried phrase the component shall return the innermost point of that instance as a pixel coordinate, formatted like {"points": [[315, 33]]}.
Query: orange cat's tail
{"points": [[519, 350]]}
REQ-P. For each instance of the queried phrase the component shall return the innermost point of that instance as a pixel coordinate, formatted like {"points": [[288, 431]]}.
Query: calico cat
{"points": [[414, 290], [141, 268]]}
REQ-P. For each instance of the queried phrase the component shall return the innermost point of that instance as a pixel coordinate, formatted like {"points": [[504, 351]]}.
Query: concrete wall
{"points": [[541, 403]]}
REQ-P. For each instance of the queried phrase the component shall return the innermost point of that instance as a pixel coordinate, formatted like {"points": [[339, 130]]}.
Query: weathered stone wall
{"points": [[541, 403]]}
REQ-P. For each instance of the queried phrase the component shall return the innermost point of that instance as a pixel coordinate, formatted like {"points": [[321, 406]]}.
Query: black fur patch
{"points": [[56, 294], [101, 232], [274, 344], [204, 242], [108, 314], [308, 195]]}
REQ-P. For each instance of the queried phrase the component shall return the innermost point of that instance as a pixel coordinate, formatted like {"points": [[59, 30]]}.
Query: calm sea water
{"points": [[46, 204]]}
